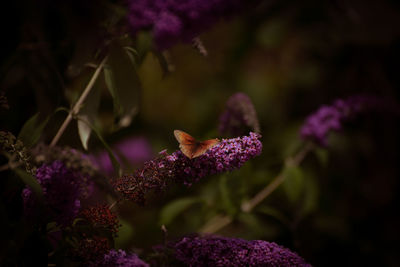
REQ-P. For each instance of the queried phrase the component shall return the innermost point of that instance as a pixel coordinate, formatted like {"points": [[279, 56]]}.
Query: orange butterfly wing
{"points": [[187, 143], [192, 148], [204, 146]]}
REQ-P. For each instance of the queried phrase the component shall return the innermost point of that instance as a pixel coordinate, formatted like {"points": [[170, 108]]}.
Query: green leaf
{"points": [[144, 42], [293, 183], [123, 83], [162, 60], [32, 130], [52, 227], [114, 161], [255, 226], [176, 207], [310, 202], [132, 53], [61, 109], [109, 79], [322, 155], [275, 213], [30, 181], [225, 196], [89, 113], [125, 235]]}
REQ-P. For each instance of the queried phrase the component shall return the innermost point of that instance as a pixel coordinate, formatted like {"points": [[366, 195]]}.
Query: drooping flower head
{"points": [[91, 249], [326, 119], [119, 258], [221, 251], [101, 216], [171, 21], [156, 174], [239, 116], [62, 191]]}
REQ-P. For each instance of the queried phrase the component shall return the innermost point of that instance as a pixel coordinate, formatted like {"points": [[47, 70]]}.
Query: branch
{"points": [[218, 222], [74, 111]]}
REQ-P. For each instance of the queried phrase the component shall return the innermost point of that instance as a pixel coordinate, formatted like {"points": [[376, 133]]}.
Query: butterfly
{"points": [[192, 148]]}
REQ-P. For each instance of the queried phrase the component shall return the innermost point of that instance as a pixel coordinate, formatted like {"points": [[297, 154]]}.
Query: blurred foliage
{"points": [[339, 207]]}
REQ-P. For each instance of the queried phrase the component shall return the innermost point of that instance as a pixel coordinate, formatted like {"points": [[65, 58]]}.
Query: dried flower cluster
{"points": [[222, 251], [101, 216], [172, 21], [318, 125], [156, 174], [239, 116], [10, 144], [3, 101], [91, 249], [72, 158]]}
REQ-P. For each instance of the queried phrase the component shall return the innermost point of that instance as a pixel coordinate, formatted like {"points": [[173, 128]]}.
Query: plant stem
{"points": [[78, 104], [113, 204], [215, 224], [219, 221], [4, 167]]}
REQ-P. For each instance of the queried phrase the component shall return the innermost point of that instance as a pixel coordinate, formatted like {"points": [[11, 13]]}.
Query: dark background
{"points": [[290, 57]]}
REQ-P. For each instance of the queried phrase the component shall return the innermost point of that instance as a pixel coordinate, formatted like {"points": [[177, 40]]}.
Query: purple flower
{"points": [[61, 190], [221, 251], [156, 174], [171, 21], [318, 125], [130, 151], [119, 258], [239, 115]]}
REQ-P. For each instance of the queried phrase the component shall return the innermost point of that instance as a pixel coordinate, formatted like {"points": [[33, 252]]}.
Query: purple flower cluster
{"points": [[221, 251], [318, 125], [129, 152], [119, 258], [239, 115], [171, 20], [156, 174], [61, 190]]}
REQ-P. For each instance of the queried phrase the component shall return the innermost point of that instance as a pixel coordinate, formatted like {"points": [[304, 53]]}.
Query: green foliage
{"points": [[176, 207], [311, 195], [89, 113], [30, 181], [322, 155], [125, 234], [123, 83], [225, 195], [293, 183], [114, 161], [255, 226], [32, 130], [274, 213], [144, 44]]}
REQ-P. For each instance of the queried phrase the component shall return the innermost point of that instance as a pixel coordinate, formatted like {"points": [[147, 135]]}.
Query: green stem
{"points": [[74, 111], [219, 221]]}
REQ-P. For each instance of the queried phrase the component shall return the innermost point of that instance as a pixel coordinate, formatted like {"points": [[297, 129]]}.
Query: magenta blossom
{"points": [[197, 251], [156, 174], [62, 191], [326, 119], [239, 116], [119, 258], [171, 21]]}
